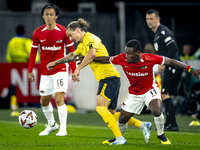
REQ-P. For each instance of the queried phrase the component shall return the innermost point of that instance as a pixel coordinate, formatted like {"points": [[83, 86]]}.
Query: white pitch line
{"points": [[98, 127], [69, 125]]}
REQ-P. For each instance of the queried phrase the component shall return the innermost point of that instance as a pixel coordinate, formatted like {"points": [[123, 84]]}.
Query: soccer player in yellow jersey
{"points": [[90, 46]]}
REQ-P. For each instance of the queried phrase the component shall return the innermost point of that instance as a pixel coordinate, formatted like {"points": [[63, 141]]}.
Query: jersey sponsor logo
{"points": [[137, 74], [156, 46], [52, 48]]}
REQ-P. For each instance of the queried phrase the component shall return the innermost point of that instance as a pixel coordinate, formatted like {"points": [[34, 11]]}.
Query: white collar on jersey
{"points": [[141, 60], [45, 28]]}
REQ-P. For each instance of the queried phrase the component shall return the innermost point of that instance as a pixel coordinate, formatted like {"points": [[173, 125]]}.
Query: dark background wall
{"points": [[181, 17]]}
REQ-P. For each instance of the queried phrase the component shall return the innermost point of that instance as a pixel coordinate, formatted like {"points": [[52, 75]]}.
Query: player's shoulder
{"points": [[38, 30], [91, 37], [163, 30], [149, 57], [121, 56], [41, 28], [60, 27]]}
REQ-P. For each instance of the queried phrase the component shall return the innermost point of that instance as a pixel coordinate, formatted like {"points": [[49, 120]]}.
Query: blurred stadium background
{"points": [[115, 22]]}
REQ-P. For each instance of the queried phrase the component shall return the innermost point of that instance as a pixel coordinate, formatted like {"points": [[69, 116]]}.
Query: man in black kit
{"points": [[165, 45]]}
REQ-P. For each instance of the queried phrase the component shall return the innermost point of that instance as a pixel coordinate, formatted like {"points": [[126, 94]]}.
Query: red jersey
{"points": [[140, 74], [52, 45]]}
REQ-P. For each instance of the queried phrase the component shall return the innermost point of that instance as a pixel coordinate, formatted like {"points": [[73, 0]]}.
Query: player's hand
{"points": [[31, 77], [51, 65], [161, 68], [196, 73], [79, 59], [75, 76]]}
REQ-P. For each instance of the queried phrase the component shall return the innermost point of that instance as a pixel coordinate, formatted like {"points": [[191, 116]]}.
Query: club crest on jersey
{"points": [[143, 67], [59, 41]]}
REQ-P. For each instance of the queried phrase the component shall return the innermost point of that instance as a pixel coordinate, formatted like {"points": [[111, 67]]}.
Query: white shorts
{"points": [[50, 84], [135, 103]]}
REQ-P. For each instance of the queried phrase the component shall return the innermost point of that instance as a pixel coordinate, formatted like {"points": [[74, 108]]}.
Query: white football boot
{"points": [[119, 141], [146, 131], [49, 129], [62, 132]]}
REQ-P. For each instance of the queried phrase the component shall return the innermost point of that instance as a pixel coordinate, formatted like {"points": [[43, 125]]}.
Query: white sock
{"points": [[159, 121], [120, 137], [62, 114], [122, 127], [48, 112], [141, 125]]}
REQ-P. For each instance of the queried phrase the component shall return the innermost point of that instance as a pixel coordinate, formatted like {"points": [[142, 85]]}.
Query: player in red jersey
{"points": [[52, 40], [143, 89]]}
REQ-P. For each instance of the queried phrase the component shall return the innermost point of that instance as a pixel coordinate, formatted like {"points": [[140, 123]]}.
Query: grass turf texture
{"points": [[88, 131]]}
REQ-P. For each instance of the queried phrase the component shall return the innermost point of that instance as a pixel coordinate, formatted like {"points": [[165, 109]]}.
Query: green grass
{"points": [[87, 131]]}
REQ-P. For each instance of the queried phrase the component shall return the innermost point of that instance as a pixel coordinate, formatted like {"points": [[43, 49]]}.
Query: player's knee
{"points": [[156, 113], [112, 111], [59, 98], [43, 102], [123, 119], [101, 110]]}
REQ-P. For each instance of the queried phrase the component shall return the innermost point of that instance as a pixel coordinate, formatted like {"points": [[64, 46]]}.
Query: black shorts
{"points": [[109, 89], [170, 80]]}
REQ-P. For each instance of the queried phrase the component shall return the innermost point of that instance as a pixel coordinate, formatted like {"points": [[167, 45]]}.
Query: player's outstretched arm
{"points": [[69, 58], [86, 61], [179, 64], [102, 59]]}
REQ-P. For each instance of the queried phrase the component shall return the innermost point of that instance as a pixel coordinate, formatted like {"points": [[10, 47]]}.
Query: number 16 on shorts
{"points": [[61, 82]]}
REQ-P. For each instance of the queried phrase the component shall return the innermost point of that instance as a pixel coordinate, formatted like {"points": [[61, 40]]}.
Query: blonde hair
{"points": [[81, 23]]}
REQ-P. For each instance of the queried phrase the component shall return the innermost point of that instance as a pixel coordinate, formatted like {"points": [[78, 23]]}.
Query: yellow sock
{"points": [[13, 100], [117, 115], [134, 122], [109, 119], [13, 103], [131, 122]]}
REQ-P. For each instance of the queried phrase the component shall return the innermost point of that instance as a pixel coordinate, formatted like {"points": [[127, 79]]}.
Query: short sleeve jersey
{"points": [[139, 74], [101, 71], [52, 45]]}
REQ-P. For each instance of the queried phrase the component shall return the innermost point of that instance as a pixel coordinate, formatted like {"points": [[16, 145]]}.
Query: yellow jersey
{"points": [[101, 71], [18, 50]]}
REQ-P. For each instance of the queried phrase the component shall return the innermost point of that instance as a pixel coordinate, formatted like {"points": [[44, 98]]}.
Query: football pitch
{"points": [[87, 131]]}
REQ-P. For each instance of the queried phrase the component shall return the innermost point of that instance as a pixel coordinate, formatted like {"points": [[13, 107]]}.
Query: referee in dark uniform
{"points": [[165, 45]]}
